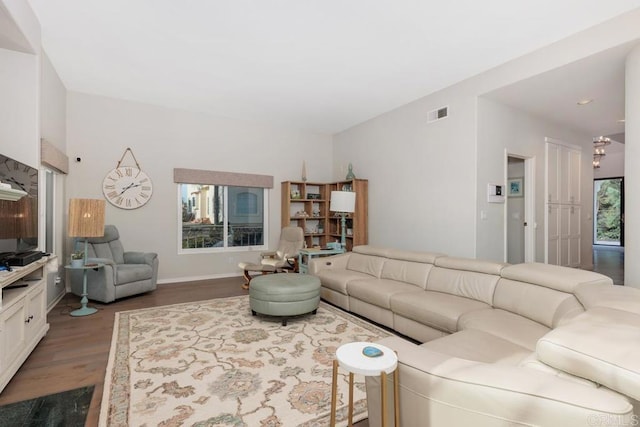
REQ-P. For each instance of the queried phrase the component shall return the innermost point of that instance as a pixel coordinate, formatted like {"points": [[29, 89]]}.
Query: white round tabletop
{"points": [[351, 358]]}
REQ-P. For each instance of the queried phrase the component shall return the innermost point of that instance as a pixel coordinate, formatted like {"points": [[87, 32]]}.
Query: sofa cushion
{"points": [[506, 325], [468, 284], [601, 344], [435, 309], [415, 256], [471, 264], [623, 298], [414, 273], [543, 305], [367, 264], [337, 279], [371, 250], [553, 276], [481, 346], [532, 362], [377, 291]]}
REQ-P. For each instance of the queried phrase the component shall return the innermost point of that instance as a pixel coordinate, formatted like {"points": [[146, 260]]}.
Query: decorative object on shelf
{"points": [[313, 196], [295, 194], [86, 219], [304, 171], [598, 149], [77, 259], [301, 214], [127, 187], [370, 351], [334, 245], [350, 174], [343, 202]]}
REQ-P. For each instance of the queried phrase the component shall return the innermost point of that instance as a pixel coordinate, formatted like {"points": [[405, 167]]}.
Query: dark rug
{"points": [[65, 409]]}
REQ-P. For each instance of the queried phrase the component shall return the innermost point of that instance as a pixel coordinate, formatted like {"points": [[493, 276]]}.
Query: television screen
{"points": [[19, 219]]}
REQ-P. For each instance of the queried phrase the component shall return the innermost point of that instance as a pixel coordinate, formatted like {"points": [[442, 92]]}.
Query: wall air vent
{"points": [[438, 114]]}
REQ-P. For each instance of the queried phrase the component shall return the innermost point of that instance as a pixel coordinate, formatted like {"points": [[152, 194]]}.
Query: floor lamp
{"points": [[86, 219], [343, 202]]}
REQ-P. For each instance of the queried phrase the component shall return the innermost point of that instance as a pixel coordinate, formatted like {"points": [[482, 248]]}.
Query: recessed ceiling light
{"points": [[620, 121], [585, 101]]}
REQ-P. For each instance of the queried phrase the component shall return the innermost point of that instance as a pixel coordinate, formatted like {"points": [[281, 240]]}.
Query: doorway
{"points": [[519, 209], [608, 212]]}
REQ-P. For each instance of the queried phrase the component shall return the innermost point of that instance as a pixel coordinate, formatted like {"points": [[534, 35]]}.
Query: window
{"points": [[215, 217]]}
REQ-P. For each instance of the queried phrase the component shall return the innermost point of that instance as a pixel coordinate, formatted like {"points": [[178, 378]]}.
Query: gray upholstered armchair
{"points": [[123, 274]]}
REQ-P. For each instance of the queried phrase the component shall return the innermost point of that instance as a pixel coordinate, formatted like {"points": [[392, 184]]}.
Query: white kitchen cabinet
{"points": [[563, 174]]}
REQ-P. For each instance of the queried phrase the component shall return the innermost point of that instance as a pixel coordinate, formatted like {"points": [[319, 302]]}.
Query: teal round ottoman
{"points": [[284, 295]]}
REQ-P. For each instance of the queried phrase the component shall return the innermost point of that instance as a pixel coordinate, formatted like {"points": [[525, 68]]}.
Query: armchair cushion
{"points": [[127, 273]]}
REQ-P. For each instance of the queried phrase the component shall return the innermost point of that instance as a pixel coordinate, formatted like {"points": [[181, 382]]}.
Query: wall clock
{"points": [[20, 176], [127, 187]]}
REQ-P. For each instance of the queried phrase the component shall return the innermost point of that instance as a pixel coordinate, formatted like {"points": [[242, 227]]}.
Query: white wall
{"points": [[502, 127], [421, 176], [612, 164], [19, 93], [53, 128], [100, 129], [428, 181], [53, 106]]}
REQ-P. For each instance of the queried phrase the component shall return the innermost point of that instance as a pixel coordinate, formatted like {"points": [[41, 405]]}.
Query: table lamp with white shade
{"points": [[343, 202]]}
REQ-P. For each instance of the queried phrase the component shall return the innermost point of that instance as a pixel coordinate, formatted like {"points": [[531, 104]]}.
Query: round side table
{"points": [[84, 310], [351, 358]]}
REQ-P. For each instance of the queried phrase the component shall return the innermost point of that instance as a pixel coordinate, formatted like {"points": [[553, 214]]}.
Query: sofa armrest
{"points": [[140, 257], [336, 262], [436, 389]]}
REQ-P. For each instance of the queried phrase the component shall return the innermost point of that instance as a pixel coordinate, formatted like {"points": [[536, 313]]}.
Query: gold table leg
{"points": [[350, 399], [383, 387], [334, 387], [396, 397]]}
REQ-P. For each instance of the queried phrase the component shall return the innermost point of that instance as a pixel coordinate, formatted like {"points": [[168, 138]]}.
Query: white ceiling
{"points": [[554, 95], [320, 65]]}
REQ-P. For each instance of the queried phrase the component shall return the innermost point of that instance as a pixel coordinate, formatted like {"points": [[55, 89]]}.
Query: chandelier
{"points": [[598, 149]]}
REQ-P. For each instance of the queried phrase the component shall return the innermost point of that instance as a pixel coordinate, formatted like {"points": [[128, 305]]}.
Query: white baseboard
{"points": [[195, 278]]}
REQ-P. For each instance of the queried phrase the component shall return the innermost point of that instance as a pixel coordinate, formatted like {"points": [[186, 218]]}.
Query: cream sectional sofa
{"points": [[493, 344]]}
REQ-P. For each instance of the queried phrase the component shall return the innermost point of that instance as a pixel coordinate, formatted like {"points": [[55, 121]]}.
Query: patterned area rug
{"points": [[211, 363]]}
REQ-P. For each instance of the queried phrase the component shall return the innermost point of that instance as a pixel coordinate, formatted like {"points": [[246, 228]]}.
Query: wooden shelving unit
{"points": [[306, 205]]}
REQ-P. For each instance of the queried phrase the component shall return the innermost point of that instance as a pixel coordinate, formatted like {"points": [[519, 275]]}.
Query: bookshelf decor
{"points": [[308, 205]]}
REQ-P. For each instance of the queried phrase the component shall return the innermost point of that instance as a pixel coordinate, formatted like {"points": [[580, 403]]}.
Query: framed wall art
{"points": [[515, 187]]}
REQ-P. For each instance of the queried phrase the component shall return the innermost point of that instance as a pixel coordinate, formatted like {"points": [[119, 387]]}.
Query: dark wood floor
{"points": [[609, 260], [75, 351]]}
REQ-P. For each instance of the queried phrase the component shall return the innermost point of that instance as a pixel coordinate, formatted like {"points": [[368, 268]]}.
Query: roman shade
{"points": [[199, 176]]}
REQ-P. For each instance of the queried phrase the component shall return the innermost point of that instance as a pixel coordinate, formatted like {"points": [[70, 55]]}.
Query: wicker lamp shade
{"points": [[86, 218]]}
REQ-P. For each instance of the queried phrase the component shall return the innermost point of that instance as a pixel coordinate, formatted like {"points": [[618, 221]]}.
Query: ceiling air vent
{"points": [[440, 113]]}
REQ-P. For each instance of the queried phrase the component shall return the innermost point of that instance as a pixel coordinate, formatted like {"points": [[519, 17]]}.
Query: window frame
{"points": [[226, 208]]}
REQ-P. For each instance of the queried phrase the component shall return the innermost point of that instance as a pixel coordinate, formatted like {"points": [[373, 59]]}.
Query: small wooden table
{"points": [[350, 357], [307, 254]]}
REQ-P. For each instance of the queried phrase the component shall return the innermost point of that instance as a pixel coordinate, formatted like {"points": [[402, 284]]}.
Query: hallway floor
{"points": [[609, 260]]}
